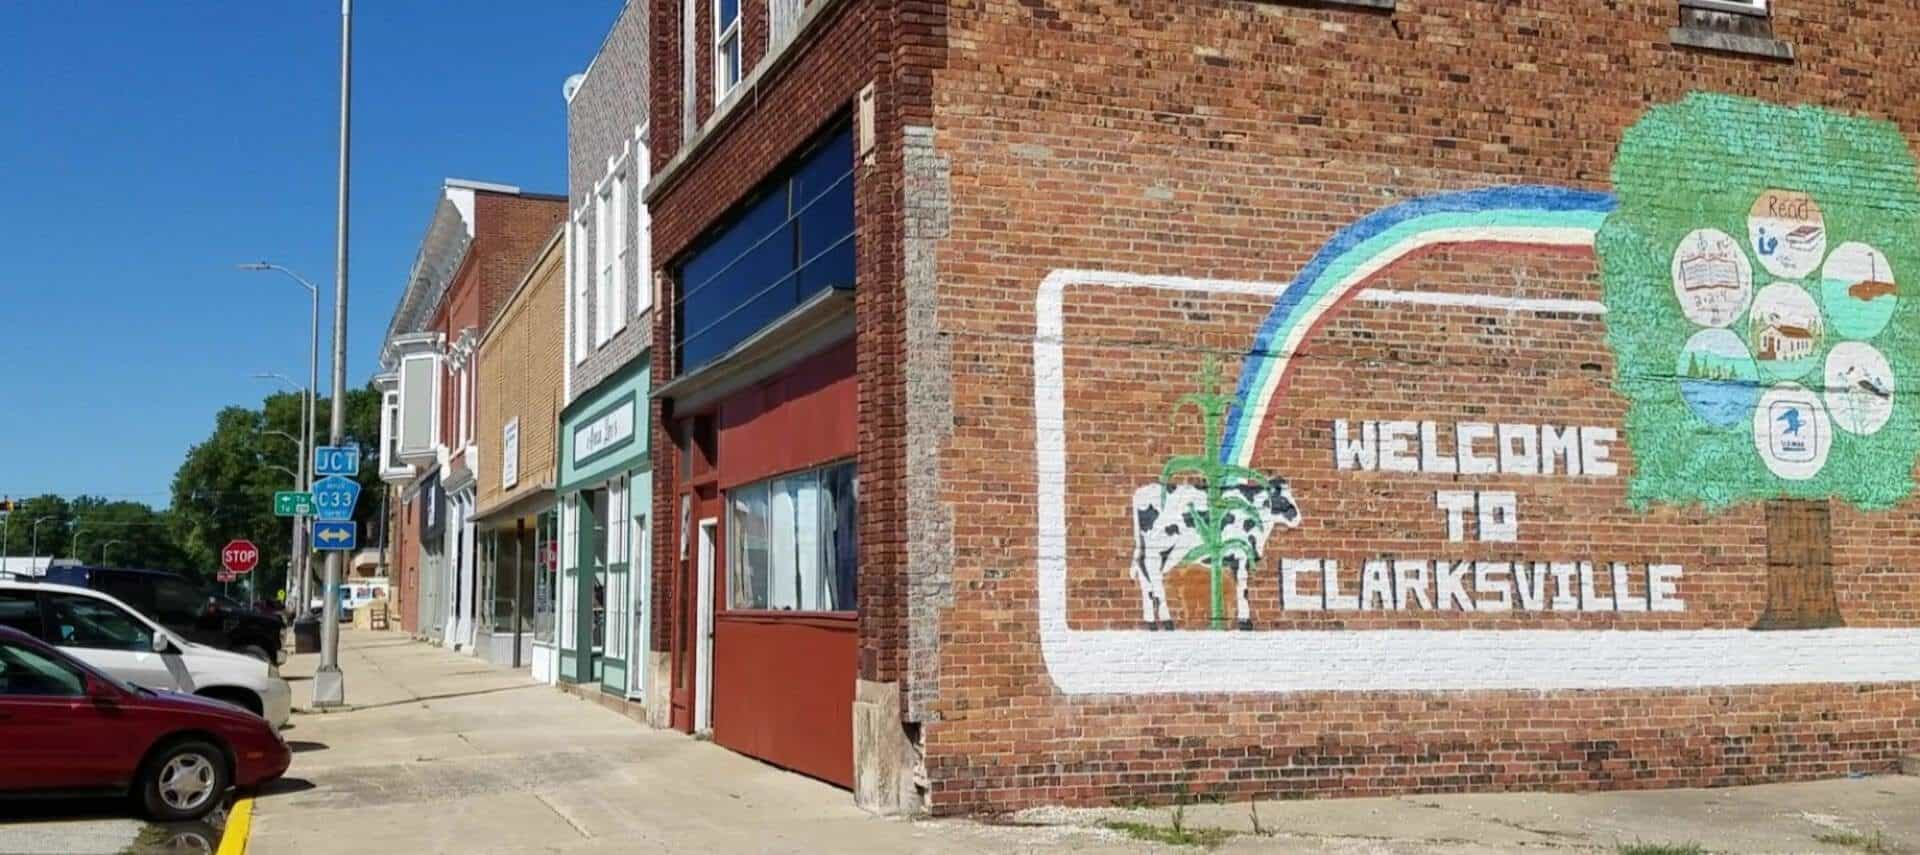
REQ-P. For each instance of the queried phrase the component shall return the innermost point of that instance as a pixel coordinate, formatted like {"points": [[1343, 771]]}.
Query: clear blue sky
{"points": [[147, 147]]}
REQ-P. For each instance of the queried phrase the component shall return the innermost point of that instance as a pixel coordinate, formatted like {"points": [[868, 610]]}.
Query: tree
{"points": [[1729, 207], [224, 488]]}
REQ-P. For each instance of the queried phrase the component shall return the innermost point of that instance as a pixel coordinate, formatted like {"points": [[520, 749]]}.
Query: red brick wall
{"points": [[509, 232], [826, 70], [1230, 140]]}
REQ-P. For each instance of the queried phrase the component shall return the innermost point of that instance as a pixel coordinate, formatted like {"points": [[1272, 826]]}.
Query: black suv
{"points": [[178, 605]]}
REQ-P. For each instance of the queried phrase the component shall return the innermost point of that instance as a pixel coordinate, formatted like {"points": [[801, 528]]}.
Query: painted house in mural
{"points": [[1066, 404], [603, 442], [477, 245]]}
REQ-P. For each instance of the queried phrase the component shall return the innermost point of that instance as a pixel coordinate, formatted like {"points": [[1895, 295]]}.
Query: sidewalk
{"points": [[443, 753]]}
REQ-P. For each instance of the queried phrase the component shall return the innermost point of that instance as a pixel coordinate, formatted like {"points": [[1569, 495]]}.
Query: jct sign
{"points": [[240, 556]]}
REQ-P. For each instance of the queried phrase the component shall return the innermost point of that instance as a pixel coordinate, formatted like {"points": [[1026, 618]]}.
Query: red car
{"points": [[68, 729]]}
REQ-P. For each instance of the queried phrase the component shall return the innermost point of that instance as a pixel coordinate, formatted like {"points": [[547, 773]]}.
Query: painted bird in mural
{"points": [[1865, 383], [1791, 418]]}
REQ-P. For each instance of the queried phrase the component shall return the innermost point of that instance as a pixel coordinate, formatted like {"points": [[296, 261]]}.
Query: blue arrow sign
{"points": [[334, 497], [334, 534], [336, 460]]}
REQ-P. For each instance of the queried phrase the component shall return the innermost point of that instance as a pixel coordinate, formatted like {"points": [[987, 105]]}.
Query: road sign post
{"points": [[293, 503], [335, 535], [239, 556], [336, 460], [334, 497]]}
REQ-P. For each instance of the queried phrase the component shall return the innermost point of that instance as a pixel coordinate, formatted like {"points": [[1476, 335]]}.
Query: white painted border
{"points": [[1143, 662]]}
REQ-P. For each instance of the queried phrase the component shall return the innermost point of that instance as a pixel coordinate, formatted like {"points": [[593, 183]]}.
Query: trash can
{"points": [[306, 635]]}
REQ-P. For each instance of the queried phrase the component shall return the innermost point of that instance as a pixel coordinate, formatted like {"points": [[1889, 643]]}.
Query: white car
{"points": [[101, 631]]}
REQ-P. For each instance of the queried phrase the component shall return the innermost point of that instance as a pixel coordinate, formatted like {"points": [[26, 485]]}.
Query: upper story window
{"points": [[789, 241], [726, 47], [641, 230], [783, 19], [603, 264], [1731, 26], [616, 297], [390, 430], [582, 288]]}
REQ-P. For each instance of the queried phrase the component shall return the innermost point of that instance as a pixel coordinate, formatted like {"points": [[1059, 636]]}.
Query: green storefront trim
{"points": [[630, 387]]}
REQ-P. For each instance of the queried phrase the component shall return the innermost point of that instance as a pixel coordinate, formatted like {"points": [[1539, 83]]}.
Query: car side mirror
{"points": [[160, 643]]}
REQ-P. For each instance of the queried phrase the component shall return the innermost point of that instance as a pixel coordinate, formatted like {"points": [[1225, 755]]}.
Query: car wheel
{"points": [[257, 652], [184, 781]]}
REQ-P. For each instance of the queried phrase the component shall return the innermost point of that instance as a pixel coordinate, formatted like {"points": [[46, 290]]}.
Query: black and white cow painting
{"points": [[1165, 519]]}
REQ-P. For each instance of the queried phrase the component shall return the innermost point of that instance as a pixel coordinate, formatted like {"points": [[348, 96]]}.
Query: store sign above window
{"points": [[603, 433]]}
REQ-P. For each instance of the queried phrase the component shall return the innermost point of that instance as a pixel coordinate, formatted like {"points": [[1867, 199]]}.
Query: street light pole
{"points": [[329, 689], [103, 550], [306, 414], [298, 569], [36, 539]]}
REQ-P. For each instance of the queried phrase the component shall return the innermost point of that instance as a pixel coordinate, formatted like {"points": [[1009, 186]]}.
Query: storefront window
{"points": [[791, 542], [546, 571]]}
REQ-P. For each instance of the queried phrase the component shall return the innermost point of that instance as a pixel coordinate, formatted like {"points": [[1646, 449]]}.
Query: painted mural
{"points": [[1769, 281], [1750, 267]]}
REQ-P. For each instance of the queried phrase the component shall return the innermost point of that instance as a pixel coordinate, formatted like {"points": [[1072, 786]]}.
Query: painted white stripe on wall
{"points": [[1143, 662]]}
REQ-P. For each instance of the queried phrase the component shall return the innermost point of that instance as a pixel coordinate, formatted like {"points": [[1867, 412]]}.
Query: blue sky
{"points": [[147, 147]]}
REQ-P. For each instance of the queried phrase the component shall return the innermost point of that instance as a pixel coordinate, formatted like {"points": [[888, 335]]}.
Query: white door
{"points": [[703, 647]]}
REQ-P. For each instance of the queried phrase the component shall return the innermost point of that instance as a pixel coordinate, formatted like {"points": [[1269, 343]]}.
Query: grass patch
{"points": [[1638, 848], [1172, 835], [1872, 844]]}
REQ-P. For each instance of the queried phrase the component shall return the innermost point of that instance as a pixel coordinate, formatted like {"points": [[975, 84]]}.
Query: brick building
{"points": [[1281, 398], [521, 363], [602, 447], [476, 249]]}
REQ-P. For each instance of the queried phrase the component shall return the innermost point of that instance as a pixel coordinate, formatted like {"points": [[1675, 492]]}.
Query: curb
{"points": [[233, 839]]}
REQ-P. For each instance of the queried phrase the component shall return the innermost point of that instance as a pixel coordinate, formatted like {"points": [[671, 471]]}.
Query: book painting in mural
{"points": [[1745, 369]]}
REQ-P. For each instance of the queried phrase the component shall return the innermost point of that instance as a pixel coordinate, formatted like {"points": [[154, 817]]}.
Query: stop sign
{"points": [[240, 556]]}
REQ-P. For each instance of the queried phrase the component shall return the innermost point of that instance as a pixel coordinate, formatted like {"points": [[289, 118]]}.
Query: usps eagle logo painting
{"points": [[1753, 261]]}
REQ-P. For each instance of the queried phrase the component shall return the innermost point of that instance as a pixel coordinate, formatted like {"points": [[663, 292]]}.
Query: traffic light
{"points": [[7, 506]]}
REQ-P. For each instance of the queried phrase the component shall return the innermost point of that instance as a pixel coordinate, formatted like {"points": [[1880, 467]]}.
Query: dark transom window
{"points": [[791, 240]]}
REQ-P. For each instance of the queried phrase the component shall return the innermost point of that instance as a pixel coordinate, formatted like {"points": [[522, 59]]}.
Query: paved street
{"points": [[442, 753]]}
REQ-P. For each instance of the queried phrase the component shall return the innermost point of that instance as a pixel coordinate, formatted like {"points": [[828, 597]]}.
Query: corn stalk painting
{"points": [[1218, 541]]}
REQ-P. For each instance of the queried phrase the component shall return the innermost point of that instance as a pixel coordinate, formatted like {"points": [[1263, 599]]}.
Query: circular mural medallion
{"points": [[1857, 289], [1792, 431], [1859, 385], [1784, 330], [1717, 377], [1712, 277], [1787, 232]]}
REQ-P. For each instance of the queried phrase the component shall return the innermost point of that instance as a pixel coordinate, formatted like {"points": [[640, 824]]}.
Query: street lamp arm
{"points": [[268, 265]]}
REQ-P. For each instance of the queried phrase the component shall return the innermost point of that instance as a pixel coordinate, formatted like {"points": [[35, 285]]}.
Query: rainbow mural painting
{"points": [[1531, 216]]}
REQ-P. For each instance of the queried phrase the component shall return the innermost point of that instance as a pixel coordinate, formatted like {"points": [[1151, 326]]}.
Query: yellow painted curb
{"points": [[233, 840]]}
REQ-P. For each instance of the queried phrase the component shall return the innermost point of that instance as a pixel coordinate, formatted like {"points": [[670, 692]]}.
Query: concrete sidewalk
{"points": [[443, 753]]}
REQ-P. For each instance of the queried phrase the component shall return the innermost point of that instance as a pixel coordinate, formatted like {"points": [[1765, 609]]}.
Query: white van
{"points": [[102, 632]]}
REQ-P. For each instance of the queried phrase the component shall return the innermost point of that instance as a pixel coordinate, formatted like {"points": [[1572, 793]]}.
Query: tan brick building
{"points": [[1282, 398], [521, 360]]}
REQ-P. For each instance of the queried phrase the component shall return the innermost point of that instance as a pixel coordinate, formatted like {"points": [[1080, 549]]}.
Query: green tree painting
{"points": [[1778, 243]]}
